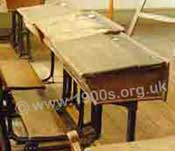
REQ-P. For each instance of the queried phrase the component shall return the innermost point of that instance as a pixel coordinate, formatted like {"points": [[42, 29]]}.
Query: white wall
{"points": [[97, 4]]}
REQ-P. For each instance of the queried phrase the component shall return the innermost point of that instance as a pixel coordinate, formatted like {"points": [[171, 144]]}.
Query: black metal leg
{"points": [[28, 45], [67, 83], [75, 93], [132, 112], [6, 142], [96, 118], [5, 139], [14, 29], [81, 112], [52, 68], [1, 97], [20, 36], [93, 115]]}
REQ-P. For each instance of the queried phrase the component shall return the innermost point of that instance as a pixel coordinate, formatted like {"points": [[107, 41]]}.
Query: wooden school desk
{"points": [[97, 60]]}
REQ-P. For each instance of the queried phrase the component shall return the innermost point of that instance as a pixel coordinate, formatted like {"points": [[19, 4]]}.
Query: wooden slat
{"points": [[75, 141], [162, 144], [19, 74], [38, 116]]}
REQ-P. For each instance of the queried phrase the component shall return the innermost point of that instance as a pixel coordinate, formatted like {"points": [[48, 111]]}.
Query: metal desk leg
{"points": [[81, 112], [14, 29], [75, 92], [1, 97], [67, 83], [6, 142], [52, 69], [20, 36], [132, 112], [28, 45], [96, 118]]}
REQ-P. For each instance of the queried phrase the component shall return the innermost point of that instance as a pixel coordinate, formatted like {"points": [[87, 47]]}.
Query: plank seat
{"points": [[7, 54], [41, 121], [19, 74], [38, 116], [161, 144]]}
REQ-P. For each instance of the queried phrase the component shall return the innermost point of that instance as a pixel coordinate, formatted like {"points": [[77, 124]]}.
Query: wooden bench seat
{"points": [[41, 121], [161, 144], [19, 74], [7, 54], [38, 116]]}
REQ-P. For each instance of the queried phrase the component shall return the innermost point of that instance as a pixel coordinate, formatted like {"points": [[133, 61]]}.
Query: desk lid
{"points": [[102, 53]]}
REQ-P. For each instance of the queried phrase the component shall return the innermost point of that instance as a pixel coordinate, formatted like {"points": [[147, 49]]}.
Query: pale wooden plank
{"points": [[162, 144], [19, 74], [39, 117]]}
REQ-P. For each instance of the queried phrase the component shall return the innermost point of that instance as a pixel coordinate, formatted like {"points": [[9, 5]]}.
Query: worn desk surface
{"points": [[69, 22], [162, 144], [47, 11], [103, 53]]}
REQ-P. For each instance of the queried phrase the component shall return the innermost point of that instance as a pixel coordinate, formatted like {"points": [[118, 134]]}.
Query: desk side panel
{"points": [[137, 84]]}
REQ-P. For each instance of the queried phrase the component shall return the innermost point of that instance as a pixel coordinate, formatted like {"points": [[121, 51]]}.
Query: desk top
{"points": [[73, 32], [162, 144], [103, 53], [46, 12], [67, 21]]}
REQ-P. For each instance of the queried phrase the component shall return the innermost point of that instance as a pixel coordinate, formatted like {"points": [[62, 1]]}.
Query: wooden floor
{"points": [[155, 119]]}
